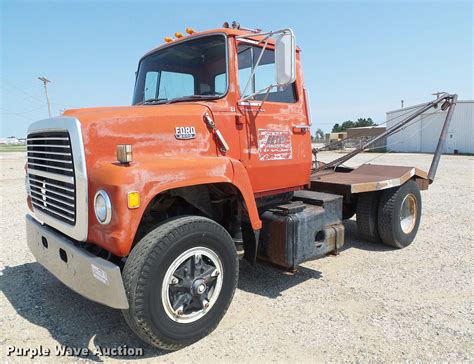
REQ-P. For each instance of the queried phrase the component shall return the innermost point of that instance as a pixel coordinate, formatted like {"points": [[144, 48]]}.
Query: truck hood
{"points": [[150, 129]]}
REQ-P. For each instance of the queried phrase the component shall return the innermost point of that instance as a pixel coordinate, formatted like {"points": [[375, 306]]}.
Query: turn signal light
{"points": [[189, 31], [178, 35], [133, 200], [168, 39], [124, 153]]}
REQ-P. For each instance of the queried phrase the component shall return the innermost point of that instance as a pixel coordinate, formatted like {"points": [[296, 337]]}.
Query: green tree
{"points": [[345, 125], [351, 124], [364, 122]]}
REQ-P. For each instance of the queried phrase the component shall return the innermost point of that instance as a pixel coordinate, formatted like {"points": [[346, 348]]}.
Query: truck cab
{"points": [[147, 208], [216, 69]]}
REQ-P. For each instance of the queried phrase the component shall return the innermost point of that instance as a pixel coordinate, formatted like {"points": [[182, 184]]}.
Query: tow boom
{"points": [[449, 102]]}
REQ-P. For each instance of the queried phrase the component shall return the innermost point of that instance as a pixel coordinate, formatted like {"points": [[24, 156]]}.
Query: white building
{"points": [[13, 141], [422, 137]]}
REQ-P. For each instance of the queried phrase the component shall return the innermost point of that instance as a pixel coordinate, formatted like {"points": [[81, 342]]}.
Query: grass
{"points": [[12, 148]]}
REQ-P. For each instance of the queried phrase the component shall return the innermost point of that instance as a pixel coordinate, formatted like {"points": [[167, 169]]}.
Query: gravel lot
{"points": [[370, 303]]}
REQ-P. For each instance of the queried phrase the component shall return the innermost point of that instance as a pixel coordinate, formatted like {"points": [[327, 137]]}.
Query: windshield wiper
{"points": [[177, 99], [150, 101], [192, 97]]}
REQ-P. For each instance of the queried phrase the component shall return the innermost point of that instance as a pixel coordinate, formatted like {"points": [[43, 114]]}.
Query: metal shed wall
{"points": [[422, 137]]}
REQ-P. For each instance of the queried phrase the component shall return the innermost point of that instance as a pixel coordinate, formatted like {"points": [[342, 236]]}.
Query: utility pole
{"points": [[45, 83], [402, 101]]}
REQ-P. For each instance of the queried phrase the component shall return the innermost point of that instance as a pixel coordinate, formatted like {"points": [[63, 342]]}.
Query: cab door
{"points": [[275, 137]]}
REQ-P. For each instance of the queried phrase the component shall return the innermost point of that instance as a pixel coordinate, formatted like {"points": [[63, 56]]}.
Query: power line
{"points": [[19, 116], [21, 113], [6, 82]]}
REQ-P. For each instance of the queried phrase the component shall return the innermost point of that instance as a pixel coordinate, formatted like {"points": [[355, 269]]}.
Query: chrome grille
{"points": [[51, 174]]}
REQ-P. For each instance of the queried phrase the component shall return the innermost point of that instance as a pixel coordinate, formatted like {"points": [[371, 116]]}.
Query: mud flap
{"points": [[250, 237]]}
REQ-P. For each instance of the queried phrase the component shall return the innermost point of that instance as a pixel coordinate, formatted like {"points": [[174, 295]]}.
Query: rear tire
{"points": [[366, 216], [399, 215], [180, 279]]}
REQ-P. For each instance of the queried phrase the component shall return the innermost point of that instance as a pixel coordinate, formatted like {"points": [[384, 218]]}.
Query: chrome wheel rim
{"points": [[408, 214], [192, 285]]}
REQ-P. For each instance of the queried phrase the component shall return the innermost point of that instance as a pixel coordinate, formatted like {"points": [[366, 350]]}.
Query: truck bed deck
{"points": [[366, 178]]}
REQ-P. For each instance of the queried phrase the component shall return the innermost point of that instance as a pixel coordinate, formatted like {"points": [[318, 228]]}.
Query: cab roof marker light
{"points": [[168, 39], [178, 35], [189, 31]]}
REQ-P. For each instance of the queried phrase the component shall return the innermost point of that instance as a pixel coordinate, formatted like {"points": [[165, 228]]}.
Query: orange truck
{"points": [[148, 208]]}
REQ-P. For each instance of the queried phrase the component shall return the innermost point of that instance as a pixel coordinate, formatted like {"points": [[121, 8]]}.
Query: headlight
{"points": [[102, 207]]}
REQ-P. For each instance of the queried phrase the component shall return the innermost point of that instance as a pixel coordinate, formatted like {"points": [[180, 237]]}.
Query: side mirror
{"points": [[285, 58]]}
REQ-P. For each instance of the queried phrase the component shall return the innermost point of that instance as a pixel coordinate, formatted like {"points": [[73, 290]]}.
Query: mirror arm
{"points": [[266, 89], [256, 65], [266, 39]]}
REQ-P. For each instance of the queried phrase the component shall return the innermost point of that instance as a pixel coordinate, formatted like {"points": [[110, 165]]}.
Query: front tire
{"points": [[399, 215], [180, 279]]}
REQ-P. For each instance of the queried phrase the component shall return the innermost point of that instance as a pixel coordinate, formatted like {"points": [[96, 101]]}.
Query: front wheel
{"points": [[399, 215], [180, 279]]}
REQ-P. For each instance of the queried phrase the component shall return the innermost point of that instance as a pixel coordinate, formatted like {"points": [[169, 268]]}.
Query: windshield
{"points": [[193, 69]]}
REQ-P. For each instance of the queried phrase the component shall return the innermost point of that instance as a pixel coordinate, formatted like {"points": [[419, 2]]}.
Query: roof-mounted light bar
{"points": [[178, 35]]}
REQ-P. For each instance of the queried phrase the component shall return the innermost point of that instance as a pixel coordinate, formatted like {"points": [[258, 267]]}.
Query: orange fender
{"points": [[150, 177]]}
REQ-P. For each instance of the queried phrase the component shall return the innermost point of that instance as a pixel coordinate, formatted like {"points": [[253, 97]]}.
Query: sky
{"points": [[359, 58]]}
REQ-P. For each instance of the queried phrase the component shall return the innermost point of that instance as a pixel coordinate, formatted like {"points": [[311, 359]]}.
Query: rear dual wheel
{"points": [[366, 212], [391, 216], [399, 215]]}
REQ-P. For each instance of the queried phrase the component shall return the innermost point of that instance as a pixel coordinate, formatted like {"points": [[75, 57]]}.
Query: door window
{"points": [[264, 76]]}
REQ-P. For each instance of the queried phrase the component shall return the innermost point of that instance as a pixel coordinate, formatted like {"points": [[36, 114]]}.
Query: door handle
{"points": [[301, 128]]}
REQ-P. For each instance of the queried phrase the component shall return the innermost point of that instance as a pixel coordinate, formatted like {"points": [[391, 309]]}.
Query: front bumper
{"points": [[90, 276]]}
